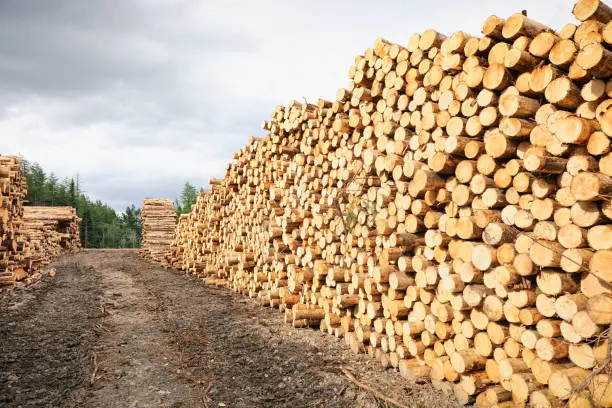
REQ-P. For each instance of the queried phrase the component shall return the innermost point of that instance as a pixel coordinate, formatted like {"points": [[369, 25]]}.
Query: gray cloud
{"points": [[138, 96]]}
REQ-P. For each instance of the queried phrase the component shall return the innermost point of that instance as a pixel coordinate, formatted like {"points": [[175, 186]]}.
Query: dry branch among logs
{"points": [[449, 213], [158, 225]]}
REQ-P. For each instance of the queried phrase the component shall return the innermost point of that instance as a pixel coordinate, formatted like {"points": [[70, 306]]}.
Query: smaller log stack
{"points": [[158, 224], [50, 232], [13, 189], [30, 237]]}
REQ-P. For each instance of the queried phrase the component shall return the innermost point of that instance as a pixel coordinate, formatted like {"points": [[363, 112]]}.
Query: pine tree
{"points": [[189, 196]]}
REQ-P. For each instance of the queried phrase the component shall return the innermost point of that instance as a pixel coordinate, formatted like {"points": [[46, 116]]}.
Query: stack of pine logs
{"points": [[50, 232], [13, 189], [449, 213], [158, 225], [31, 237]]}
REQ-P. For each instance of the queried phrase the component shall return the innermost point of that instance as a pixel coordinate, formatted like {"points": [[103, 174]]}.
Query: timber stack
{"points": [[32, 237], [158, 225], [14, 265], [449, 213], [51, 232]]}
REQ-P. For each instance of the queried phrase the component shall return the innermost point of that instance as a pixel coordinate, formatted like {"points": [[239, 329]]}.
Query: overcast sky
{"points": [[139, 96]]}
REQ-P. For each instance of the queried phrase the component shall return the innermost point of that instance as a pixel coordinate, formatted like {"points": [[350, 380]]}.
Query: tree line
{"points": [[101, 226]]}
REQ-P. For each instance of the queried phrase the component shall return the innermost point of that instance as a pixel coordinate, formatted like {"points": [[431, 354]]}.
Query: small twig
{"points": [[102, 328], [377, 394], [93, 378], [205, 396]]}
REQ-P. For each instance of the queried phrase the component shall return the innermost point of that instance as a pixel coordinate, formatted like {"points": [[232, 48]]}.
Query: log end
{"points": [[585, 186]]}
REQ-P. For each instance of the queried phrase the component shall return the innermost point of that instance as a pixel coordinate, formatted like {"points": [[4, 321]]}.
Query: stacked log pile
{"points": [[50, 232], [158, 225], [31, 237], [14, 265], [449, 213]]}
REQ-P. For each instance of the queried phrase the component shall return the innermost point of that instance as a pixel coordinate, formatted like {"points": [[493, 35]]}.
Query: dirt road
{"points": [[112, 331]]}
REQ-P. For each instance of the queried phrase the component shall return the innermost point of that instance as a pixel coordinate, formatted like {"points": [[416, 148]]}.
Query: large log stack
{"points": [[449, 213], [50, 232], [158, 225]]}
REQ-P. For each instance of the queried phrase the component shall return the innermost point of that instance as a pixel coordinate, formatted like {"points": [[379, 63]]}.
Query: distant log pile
{"points": [[449, 213], [51, 232], [158, 225], [31, 236]]}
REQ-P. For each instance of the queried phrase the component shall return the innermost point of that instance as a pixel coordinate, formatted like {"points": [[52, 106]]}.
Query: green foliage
{"points": [[101, 226], [371, 209], [189, 195], [351, 216]]}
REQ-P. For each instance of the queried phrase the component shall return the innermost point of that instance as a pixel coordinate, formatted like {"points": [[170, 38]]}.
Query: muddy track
{"points": [[46, 336], [112, 331]]}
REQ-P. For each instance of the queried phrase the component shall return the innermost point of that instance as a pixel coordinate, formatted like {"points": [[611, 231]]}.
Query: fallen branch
{"points": [[377, 394], [605, 365]]}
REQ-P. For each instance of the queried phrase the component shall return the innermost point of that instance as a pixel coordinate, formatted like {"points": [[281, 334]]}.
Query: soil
{"points": [[110, 330]]}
